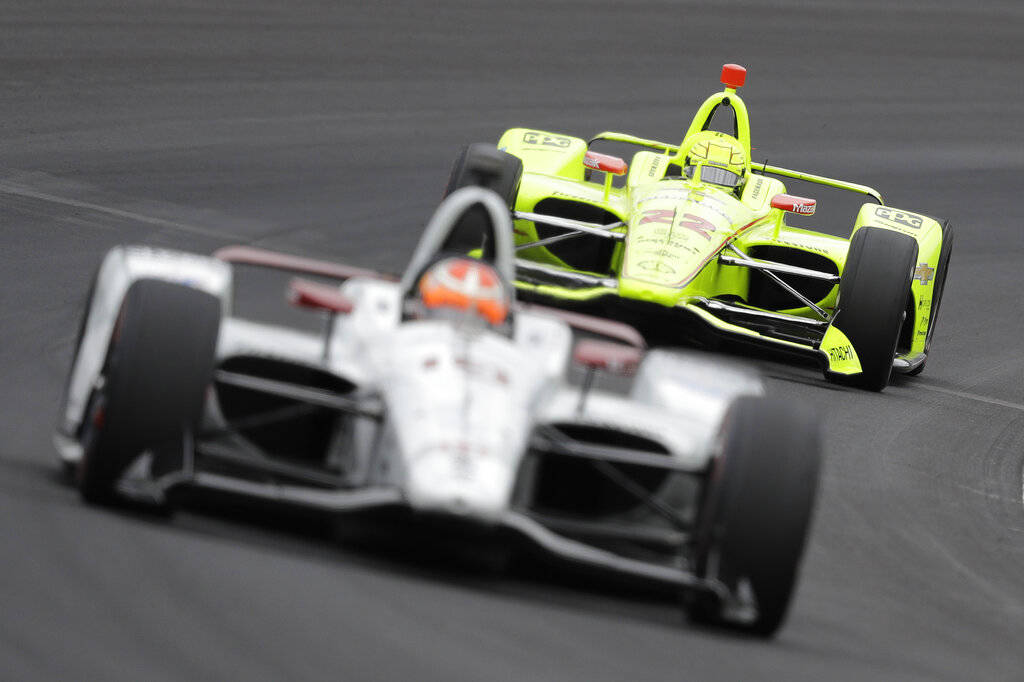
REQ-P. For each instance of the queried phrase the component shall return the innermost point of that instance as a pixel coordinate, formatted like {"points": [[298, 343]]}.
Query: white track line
{"points": [[973, 396], [116, 212], [194, 229]]}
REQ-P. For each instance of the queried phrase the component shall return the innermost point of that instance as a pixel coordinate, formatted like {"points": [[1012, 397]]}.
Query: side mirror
{"points": [[308, 294], [605, 162], [611, 357], [794, 204]]}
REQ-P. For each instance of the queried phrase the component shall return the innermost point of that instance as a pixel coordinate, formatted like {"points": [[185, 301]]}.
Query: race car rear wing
{"points": [[250, 255], [611, 329], [763, 168]]}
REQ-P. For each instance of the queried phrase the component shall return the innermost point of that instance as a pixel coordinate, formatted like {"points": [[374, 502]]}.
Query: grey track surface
{"points": [[328, 130]]}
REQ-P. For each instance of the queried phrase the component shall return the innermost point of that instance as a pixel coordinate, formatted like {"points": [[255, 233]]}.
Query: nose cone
{"points": [[460, 483], [645, 290]]}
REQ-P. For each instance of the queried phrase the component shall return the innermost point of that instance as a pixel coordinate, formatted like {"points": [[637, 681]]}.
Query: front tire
{"points": [[756, 511], [873, 294], [153, 384]]}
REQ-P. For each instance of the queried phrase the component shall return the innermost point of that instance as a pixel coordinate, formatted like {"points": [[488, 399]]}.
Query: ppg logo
{"points": [[910, 220], [546, 140]]}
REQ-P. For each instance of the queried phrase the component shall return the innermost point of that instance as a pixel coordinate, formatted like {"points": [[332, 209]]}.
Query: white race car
{"points": [[437, 396]]}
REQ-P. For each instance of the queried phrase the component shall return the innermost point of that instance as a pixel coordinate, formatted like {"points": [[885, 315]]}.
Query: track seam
{"points": [[116, 212], [973, 396]]}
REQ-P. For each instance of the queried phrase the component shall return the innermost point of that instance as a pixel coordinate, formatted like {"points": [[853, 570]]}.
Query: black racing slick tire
{"points": [[484, 165], [873, 294], [756, 512], [153, 384], [938, 289], [481, 165]]}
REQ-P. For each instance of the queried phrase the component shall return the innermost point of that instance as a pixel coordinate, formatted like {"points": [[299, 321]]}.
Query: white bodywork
{"points": [[122, 266], [460, 401]]}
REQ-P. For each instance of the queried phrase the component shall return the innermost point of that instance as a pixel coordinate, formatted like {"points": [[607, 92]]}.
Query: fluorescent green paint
{"points": [[928, 234], [677, 227], [839, 352]]}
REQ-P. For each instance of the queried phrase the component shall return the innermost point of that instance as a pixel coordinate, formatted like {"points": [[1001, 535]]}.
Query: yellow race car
{"points": [[693, 238]]}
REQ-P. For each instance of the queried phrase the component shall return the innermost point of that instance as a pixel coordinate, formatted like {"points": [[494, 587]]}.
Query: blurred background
{"points": [[328, 129]]}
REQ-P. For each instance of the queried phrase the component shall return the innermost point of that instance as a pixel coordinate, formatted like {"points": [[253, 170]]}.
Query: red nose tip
{"points": [[733, 76]]}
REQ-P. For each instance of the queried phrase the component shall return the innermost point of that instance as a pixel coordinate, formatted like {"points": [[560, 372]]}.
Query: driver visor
{"points": [[716, 175]]}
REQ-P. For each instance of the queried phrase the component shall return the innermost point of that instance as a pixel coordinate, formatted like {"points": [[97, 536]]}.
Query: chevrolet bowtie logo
{"points": [[923, 273]]}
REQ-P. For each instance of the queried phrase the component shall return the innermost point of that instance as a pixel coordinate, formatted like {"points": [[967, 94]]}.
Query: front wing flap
{"points": [[599, 295]]}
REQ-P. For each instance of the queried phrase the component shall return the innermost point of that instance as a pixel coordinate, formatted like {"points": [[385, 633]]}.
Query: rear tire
{"points": [[873, 294], [481, 165], [757, 508], [153, 385], [484, 165]]}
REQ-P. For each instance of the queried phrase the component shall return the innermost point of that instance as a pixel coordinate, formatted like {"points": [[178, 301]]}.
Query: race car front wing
{"points": [[210, 462]]}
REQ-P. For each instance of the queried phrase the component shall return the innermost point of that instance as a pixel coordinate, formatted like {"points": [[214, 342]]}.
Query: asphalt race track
{"points": [[328, 131]]}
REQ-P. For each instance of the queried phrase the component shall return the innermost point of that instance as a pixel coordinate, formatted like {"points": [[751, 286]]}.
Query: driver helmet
{"points": [[467, 285], [722, 156]]}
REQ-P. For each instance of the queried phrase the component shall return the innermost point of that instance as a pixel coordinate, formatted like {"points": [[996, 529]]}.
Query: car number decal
{"points": [[544, 140]]}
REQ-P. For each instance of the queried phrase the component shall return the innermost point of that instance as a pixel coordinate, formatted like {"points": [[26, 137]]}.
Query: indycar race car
{"points": [[697, 233], [436, 399]]}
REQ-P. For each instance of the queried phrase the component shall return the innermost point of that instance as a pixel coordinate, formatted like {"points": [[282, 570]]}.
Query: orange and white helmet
{"points": [[465, 284]]}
